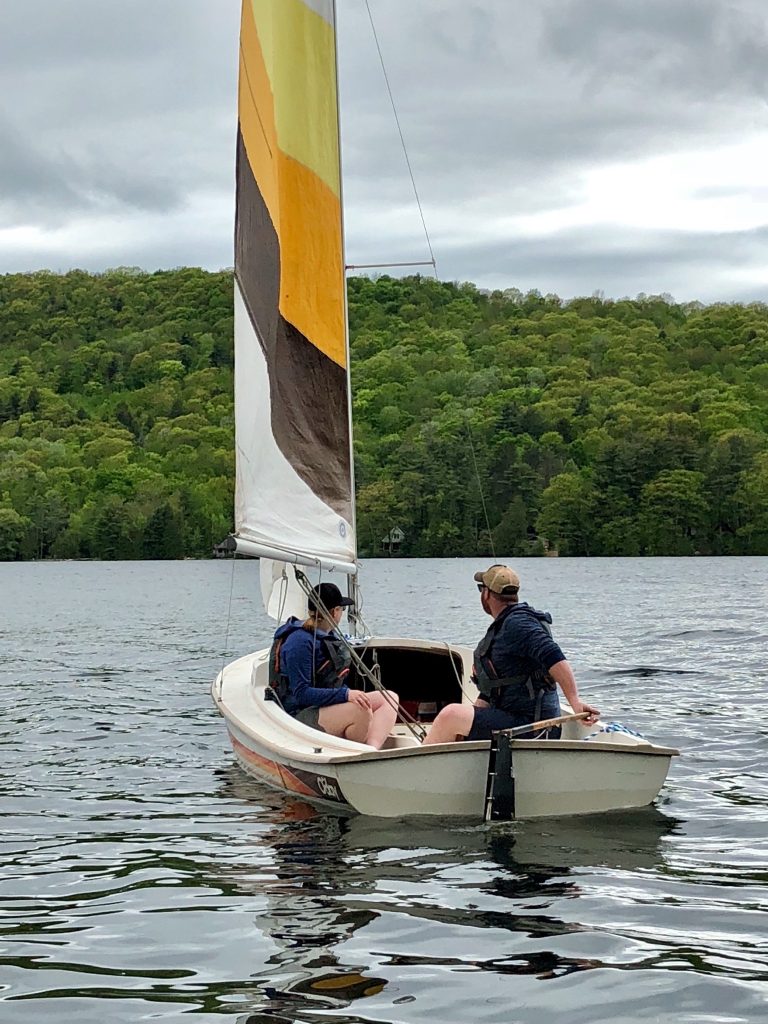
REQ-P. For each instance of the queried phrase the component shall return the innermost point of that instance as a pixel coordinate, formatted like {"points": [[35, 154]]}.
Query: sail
{"points": [[294, 490]]}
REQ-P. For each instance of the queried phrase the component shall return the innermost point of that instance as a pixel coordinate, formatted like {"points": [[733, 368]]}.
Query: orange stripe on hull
{"points": [[282, 776]]}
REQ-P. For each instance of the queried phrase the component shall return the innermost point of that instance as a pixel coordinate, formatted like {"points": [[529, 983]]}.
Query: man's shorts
{"points": [[490, 720]]}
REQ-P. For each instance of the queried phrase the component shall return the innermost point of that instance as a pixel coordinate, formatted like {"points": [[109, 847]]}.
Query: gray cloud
{"points": [[164, 254], [28, 174], [52, 186], [126, 107], [555, 83], [701, 48], [118, 147], [584, 261]]}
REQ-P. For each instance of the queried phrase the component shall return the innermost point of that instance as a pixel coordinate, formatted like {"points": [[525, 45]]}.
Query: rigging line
{"points": [[480, 487], [319, 607], [283, 594], [376, 266], [402, 138], [366, 631], [360, 665], [252, 94], [449, 649], [359, 617]]}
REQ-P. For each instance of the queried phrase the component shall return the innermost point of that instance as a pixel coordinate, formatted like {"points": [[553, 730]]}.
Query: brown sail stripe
{"points": [[308, 389]]}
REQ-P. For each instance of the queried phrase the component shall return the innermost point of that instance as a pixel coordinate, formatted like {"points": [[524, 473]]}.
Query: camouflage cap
{"points": [[499, 579]]}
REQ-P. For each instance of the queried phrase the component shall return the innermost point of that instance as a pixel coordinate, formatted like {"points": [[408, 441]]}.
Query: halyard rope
{"points": [[362, 669]]}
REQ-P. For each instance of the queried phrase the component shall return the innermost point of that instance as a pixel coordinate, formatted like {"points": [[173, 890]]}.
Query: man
{"points": [[517, 665]]}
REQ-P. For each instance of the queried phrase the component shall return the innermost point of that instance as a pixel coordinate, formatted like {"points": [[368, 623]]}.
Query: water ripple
{"points": [[143, 876]]}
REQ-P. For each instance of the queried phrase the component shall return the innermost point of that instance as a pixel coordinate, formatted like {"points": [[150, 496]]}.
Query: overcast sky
{"points": [[565, 145]]}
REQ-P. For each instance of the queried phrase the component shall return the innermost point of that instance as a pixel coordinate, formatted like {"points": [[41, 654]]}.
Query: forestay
{"points": [[294, 492]]}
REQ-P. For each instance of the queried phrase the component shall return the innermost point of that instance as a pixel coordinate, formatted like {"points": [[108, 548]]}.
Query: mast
{"points": [[353, 584]]}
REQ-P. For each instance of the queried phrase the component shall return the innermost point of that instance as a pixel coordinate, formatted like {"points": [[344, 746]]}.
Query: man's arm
{"points": [[563, 675]]}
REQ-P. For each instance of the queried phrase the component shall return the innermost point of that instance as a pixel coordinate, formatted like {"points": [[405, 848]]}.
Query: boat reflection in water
{"points": [[333, 877], [306, 914], [622, 840]]}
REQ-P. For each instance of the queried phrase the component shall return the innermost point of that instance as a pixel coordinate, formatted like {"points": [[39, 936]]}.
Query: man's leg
{"points": [[453, 723]]}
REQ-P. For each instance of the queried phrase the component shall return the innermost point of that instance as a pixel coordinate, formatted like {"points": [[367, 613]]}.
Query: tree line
{"points": [[520, 423]]}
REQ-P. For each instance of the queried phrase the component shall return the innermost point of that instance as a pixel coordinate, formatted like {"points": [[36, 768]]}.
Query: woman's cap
{"points": [[329, 596], [499, 579]]}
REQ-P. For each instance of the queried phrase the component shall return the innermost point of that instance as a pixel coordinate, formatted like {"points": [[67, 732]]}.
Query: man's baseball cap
{"points": [[499, 579], [330, 596]]}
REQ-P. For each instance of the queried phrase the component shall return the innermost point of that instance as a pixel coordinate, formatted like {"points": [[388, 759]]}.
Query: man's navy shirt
{"points": [[522, 645]]}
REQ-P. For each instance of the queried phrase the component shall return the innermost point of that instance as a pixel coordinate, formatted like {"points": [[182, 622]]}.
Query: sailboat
{"points": [[294, 504]]}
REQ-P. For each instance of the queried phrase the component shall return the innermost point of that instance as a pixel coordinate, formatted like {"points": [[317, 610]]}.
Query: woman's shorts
{"points": [[310, 717]]}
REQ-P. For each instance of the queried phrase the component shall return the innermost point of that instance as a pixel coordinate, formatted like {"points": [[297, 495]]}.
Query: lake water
{"points": [[143, 877]]}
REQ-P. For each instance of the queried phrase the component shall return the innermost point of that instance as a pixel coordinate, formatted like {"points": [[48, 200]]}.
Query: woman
{"points": [[308, 665]]}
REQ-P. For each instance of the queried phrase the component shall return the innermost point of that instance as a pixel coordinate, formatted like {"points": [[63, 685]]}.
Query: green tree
{"points": [[674, 513], [13, 528], [567, 512]]}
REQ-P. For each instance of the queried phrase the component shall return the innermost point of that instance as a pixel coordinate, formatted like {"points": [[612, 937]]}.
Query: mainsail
{"points": [[294, 493]]}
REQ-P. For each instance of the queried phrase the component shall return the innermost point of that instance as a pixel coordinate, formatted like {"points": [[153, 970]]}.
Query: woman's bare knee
{"points": [[384, 698]]}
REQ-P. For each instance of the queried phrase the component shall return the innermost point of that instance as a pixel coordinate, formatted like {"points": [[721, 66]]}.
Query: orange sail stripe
{"points": [[311, 271], [257, 114]]}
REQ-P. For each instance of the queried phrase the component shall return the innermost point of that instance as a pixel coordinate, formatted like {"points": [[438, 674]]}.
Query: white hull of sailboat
{"points": [[296, 505], [585, 772]]}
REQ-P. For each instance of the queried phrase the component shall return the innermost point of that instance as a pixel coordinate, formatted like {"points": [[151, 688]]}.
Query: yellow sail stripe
{"points": [[294, 159], [299, 52]]}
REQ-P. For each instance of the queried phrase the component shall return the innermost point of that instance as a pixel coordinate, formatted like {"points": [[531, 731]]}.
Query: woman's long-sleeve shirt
{"points": [[301, 655]]}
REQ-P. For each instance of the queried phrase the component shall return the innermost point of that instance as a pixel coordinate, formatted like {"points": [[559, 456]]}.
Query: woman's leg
{"points": [[453, 723], [350, 721], [384, 716]]}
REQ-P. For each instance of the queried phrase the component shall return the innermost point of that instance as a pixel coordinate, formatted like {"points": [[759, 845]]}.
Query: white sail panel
{"points": [[274, 507], [280, 591]]}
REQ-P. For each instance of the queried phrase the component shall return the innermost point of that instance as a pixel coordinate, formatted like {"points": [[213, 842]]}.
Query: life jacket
{"points": [[334, 668], [331, 673], [490, 683]]}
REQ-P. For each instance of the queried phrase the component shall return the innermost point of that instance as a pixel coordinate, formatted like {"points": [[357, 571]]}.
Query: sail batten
{"points": [[294, 488]]}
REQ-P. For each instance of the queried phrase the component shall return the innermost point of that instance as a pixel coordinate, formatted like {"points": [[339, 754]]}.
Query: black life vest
{"points": [[331, 673], [490, 683]]}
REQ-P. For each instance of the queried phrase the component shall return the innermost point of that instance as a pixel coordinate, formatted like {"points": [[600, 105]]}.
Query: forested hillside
{"points": [[115, 414], [592, 426]]}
